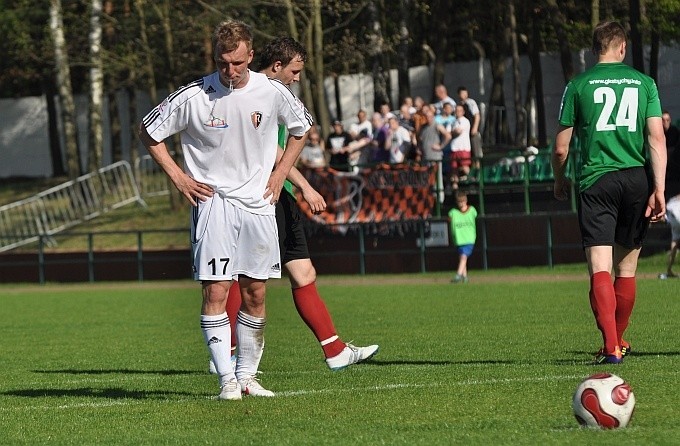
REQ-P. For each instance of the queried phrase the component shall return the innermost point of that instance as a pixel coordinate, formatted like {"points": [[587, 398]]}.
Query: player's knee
{"points": [[214, 293], [301, 273]]}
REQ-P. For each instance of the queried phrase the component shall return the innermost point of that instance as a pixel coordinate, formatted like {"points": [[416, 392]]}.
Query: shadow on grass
{"points": [[586, 357], [632, 354], [109, 393], [122, 371], [445, 363]]}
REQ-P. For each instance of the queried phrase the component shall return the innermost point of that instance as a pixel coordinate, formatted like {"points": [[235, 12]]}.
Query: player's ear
{"points": [[277, 66]]}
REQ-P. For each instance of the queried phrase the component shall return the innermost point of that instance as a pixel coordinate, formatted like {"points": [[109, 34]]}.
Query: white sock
{"points": [[250, 334], [217, 335]]}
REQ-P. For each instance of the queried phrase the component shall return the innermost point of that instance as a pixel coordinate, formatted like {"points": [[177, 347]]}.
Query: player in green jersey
{"points": [[616, 114]]}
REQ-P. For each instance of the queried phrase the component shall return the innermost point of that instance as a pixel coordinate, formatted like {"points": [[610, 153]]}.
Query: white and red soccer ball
{"points": [[603, 400]]}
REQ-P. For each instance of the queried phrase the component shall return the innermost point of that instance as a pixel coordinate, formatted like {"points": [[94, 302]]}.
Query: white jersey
{"points": [[461, 142], [229, 137], [357, 127], [401, 142]]}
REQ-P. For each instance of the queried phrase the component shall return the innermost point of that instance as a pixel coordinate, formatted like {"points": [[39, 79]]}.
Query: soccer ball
{"points": [[603, 400]]}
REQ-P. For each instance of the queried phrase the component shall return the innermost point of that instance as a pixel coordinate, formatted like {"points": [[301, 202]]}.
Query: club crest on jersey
{"points": [[256, 119]]}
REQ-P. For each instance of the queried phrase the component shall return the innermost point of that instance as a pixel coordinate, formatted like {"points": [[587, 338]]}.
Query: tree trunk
{"points": [[305, 87], [317, 60], [439, 42], [96, 149], [290, 18], [380, 95], [636, 35], [134, 123], [405, 8], [58, 169], [146, 50], [338, 97], [654, 55], [497, 130], [208, 57], [559, 21], [163, 11], [520, 112], [115, 128], [68, 108], [594, 13], [537, 74]]}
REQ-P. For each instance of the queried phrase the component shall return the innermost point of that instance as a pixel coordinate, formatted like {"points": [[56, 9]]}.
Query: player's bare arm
{"points": [[475, 124], [316, 202], [656, 207], [187, 186], [294, 147], [447, 137], [559, 162], [356, 145]]}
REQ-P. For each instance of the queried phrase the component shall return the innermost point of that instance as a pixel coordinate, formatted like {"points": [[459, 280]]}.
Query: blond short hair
{"points": [[229, 34]]}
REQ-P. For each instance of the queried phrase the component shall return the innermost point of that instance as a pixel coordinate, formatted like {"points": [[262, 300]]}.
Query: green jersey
{"points": [[287, 185], [463, 226], [608, 106]]}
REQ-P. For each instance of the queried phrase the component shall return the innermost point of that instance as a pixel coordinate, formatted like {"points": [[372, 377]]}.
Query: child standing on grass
{"points": [[464, 233]]}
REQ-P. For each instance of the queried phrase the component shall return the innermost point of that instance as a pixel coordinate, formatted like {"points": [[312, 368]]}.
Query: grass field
{"points": [[491, 362]]}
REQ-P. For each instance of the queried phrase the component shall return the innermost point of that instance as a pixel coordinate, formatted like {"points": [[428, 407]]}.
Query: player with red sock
{"points": [[283, 59], [617, 116]]}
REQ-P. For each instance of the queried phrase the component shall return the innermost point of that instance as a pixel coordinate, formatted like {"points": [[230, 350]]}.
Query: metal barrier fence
{"points": [[67, 205], [151, 180], [419, 246]]}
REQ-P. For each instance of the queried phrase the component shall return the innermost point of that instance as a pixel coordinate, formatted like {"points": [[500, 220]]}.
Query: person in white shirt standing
{"points": [[474, 116], [461, 155], [399, 141], [228, 124]]}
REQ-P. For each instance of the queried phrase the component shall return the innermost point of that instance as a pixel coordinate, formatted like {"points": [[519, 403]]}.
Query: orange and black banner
{"points": [[383, 193]]}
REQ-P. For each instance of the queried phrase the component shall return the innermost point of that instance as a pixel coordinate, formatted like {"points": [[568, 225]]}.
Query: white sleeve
{"points": [[172, 115], [472, 104], [292, 112]]}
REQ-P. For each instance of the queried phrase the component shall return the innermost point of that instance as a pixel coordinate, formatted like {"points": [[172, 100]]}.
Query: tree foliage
{"points": [[151, 45]]}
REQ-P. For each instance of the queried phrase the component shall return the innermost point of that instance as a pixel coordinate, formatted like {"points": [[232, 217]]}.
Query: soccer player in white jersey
{"points": [[228, 123], [283, 59]]}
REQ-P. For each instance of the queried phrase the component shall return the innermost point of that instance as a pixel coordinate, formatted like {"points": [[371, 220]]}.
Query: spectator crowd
{"points": [[445, 132]]}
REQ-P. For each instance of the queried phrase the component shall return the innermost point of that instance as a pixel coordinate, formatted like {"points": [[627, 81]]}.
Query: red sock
{"points": [[313, 311], [233, 306], [624, 287], [592, 307], [603, 303]]}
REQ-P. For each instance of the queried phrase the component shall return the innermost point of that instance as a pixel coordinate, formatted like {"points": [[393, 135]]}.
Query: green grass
{"points": [[482, 363]]}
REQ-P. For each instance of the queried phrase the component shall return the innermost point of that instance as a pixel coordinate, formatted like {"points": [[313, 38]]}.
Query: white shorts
{"points": [[227, 241], [673, 217]]}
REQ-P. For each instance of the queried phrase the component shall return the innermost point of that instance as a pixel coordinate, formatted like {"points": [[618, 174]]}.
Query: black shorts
{"points": [[612, 211], [292, 240]]}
